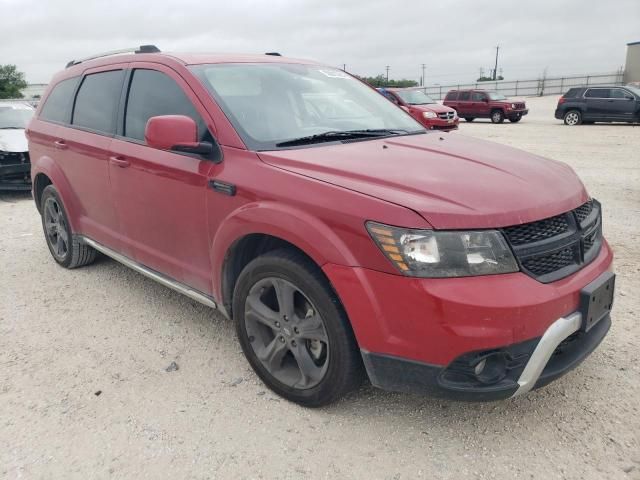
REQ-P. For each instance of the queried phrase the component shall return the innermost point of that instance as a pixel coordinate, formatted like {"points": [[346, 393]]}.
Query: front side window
{"points": [[478, 97], [152, 94], [97, 101], [415, 97], [273, 104], [15, 116], [496, 96], [58, 103], [619, 93]]}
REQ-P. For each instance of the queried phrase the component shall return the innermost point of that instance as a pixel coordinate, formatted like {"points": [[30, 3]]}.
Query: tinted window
{"points": [[619, 93], [572, 93], [478, 97], [451, 96], [97, 101], [151, 94], [597, 93], [464, 96], [56, 107]]}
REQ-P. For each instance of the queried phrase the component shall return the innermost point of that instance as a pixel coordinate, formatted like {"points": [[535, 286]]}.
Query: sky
{"points": [[453, 38]]}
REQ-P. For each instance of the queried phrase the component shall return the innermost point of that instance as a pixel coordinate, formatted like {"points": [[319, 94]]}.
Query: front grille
{"points": [[13, 158], [447, 115], [555, 247], [519, 105]]}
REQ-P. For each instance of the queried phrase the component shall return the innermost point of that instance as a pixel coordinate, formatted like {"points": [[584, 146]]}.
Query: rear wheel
{"points": [[469, 119], [573, 117], [65, 247], [294, 331], [497, 116]]}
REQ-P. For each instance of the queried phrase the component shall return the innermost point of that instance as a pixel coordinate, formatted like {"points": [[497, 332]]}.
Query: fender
{"points": [[318, 240], [47, 166]]}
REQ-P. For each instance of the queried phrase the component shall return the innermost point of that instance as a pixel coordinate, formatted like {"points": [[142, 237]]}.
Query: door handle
{"points": [[60, 144], [119, 161]]}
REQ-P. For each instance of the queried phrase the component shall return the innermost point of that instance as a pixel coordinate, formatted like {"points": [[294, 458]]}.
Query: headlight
{"points": [[513, 105], [429, 114], [433, 254]]}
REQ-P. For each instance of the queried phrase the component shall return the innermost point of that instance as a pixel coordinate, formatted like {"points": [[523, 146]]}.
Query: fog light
{"points": [[480, 366], [492, 368]]}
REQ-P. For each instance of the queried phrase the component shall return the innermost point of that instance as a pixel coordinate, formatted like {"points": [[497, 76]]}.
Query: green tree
{"points": [[489, 79], [381, 81], [11, 82]]}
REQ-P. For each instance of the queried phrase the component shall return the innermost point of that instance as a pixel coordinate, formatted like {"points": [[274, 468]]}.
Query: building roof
{"points": [[633, 43]]}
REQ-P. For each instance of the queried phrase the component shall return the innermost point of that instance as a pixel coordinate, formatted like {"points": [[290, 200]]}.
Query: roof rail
{"points": [[273, 54], [140, 49]]}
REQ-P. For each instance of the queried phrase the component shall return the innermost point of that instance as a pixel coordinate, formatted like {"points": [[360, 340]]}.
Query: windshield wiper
{"points": [[336, 135], [11, 128]]}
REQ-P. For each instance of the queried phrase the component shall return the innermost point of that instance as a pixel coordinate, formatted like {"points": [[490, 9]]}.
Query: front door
{"points": [[479, 104], [161, 194]]}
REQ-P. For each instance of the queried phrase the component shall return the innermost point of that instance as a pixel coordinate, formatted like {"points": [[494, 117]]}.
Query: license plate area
{"points": [[596, 300]]}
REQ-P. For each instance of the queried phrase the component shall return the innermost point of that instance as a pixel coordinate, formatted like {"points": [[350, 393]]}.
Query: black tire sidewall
{"points": [[501, 116], [48, 192], [577, 112], [341, 342]]}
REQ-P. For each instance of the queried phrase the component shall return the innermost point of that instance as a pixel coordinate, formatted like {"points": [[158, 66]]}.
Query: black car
{"points": [[599, 104]]}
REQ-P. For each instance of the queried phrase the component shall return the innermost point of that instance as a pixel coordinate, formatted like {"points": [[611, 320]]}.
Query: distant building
{"points": [[632, 65], [34, 91]]}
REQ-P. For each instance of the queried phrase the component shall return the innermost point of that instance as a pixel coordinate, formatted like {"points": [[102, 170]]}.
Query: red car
{"points": [[340, 235], [423, 108], [472, 104]]}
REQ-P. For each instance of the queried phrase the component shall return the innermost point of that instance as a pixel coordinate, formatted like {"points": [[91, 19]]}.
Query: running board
{"points": [[152, 274]]}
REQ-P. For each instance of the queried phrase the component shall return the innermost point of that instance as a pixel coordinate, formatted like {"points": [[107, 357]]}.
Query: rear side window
{"points": [[464, 96], [152, 93], [451, 96], [58, 104], [572, 93], [97, 101], [597, 93]]}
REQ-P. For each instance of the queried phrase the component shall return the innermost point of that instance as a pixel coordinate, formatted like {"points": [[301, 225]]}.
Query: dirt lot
{"points": [[65, 336]]}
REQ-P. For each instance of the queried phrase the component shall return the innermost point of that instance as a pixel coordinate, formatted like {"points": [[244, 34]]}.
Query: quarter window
{"points": [[97, 101], [464, 96], [153, 93], [57, 105]]}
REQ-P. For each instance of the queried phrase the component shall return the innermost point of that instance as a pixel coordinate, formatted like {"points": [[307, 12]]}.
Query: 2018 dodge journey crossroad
{"points": [[341, 237]]}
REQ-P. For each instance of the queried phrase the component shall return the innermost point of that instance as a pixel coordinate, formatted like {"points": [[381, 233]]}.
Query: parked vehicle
{"points": [[472, 104], [15, 167], [599, 104], [423, 108], [340, 240]]}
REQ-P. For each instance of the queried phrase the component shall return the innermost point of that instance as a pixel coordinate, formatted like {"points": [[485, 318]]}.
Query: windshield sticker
{"points": [[334, 74]]}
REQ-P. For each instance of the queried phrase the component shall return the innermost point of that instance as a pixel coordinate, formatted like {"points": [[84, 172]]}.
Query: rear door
{"points": [[162, 194], [86, 143], [464, 104], [597, 104]]}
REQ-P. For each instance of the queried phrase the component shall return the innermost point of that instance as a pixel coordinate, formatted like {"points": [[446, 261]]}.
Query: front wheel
{"points": [[515, 119], [572, 117], [293, 330], [497, 116]]}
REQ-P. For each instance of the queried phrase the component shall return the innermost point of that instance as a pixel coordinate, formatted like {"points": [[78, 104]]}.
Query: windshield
{"points": [[496, 96], [15, 116], [272, 104], [414, 97]]}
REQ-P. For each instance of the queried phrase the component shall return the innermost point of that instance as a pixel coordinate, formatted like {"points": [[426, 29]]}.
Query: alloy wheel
{"points": [[572, 118], [56, 228], [287, 333]]}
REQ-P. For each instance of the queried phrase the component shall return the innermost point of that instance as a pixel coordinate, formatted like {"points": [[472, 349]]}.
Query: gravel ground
{"points": [[85, 391]]}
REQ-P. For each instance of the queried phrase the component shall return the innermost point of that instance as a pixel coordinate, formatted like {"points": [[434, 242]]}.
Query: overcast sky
{"points": [[454, 38]]}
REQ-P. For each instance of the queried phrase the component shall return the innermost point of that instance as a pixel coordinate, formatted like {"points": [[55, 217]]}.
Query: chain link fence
{"points": [[529, 88]]}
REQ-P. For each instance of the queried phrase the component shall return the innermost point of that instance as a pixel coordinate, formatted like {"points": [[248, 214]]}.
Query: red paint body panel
{"points": [[436, 320]]}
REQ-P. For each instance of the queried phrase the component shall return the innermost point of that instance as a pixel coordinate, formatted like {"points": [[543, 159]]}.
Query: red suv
{"points": [[341, 237], [472, 104], [423, 108]]}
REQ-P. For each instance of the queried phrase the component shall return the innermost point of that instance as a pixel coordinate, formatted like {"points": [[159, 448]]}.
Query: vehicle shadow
{"points": [[13, 196]]}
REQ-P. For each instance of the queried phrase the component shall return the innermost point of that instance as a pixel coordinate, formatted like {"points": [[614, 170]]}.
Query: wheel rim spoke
{"points": [[284, 293], [59, 246], [311, 328], [257, 311], [310, 373], [273, 354]]}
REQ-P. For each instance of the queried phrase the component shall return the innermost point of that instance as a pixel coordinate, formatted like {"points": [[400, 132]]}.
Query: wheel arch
{"points": [[47, 172]]}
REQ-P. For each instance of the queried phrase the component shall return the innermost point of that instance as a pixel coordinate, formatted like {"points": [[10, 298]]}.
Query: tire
{"points": [[280, 352], [572, 118], [65, 247], [497, 116], [469, 119], [515, 119]]}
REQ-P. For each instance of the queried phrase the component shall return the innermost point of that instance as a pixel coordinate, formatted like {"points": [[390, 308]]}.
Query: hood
{"points": [[451, 180], [13, 140], [431, 107]]}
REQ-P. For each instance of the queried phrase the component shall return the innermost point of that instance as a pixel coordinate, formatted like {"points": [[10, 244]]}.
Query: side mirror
{"points": [[178, 133], [629, 97], [485, 99]]}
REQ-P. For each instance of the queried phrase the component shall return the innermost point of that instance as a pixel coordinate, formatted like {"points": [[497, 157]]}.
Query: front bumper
{"points": [[15, 171], [440, 124], [427, 324], [517, 113]]}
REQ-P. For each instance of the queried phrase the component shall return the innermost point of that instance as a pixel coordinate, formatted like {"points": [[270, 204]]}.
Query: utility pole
{"points": [[344, 67], [481, 72], [495, 70], [387, 67], [422, 80]]}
